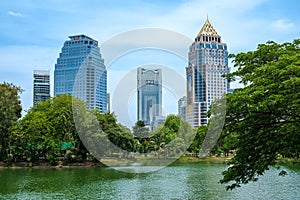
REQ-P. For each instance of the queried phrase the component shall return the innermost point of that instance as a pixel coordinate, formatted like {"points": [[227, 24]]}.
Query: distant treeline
{"points": [[49, 131]]}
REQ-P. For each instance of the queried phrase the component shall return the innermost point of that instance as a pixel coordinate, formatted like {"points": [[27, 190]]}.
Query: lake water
{"points": [[184, 181]]}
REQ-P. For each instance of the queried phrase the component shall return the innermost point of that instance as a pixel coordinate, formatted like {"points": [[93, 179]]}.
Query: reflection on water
{"points": [[138, 168], [189, 181]]}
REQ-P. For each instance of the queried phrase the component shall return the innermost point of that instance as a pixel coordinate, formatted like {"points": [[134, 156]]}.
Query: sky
{"points": [[32, 33]]}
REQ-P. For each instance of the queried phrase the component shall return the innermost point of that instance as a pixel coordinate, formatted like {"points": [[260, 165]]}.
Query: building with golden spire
{"points": [[208, 62]]}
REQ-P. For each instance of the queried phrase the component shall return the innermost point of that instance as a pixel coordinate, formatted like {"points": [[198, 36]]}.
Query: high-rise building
{"points": [[41, 86], [157, 121], [208, 62], [108, 102], [80, 71], [230, 90], [149, 94], [182, 107]]}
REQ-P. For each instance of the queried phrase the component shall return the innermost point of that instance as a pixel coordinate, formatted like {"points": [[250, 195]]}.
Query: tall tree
{"points": [[120, 137], [265, 114], [10, 112], [175, 136], [198, 140], [140, 130], [45, 127]]}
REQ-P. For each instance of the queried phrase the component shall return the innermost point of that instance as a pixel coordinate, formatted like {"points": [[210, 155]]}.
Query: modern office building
{"points": [[149, 94], [182, 107], [108, 102], [80, 71], [41, 85], [230, 91], [208, 62], [157, 121]]}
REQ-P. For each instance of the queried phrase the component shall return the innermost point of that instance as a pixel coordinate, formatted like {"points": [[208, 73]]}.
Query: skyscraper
{"points": [[80, 71], [149, 94], [41, 86], [208, 62], [108, 102], [182, 107], [230, 90]]}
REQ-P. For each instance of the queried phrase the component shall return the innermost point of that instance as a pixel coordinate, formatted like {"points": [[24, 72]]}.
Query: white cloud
{"points": [[15, 14], [282, 25]]}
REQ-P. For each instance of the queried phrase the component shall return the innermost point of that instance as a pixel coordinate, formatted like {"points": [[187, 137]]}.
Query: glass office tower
{"points": [[41, 85], [208, 62], [182, 107], [80, 71], [149, 94]]}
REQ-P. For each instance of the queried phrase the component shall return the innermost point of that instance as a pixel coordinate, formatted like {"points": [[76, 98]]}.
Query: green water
{"points": [[188, 181]]}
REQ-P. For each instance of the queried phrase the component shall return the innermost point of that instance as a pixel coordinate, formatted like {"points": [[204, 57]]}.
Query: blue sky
{"points": [[32, 32]]}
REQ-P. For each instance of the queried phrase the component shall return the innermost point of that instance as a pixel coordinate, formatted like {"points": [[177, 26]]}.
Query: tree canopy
{"points": [[44, 130], [63, 128], [264, 116], [10, 112]]}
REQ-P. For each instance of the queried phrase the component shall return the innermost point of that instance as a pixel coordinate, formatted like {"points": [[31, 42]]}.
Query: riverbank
{"points": [[43, 164], [114, 162], [208, 159], [144, 161]]}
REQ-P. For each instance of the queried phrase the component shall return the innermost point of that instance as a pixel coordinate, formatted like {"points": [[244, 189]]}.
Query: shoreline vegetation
{"points": [[113, 161], [127, 162]]}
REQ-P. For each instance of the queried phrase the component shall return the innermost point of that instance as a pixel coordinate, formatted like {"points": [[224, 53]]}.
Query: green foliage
{"points": [[41, 132], [116, 133], [103, 136], [198, 140], [227, 143], [50, 130], [173, 122], [264, 116], [140, 130], [174, 137], [10, 112]]}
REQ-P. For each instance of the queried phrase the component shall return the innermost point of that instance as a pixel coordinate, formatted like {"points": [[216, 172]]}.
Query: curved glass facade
{"points": [[80, 71]]}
